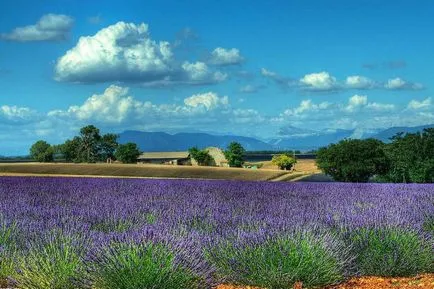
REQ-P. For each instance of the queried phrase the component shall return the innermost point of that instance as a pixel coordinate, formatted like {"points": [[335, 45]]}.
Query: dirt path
{"points": [[425, 281]]}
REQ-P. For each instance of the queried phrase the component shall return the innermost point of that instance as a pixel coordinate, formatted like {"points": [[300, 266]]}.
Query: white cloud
{"points": [[307, 106], [359, 82], [249, 88], [268, 73], [321, 81], [17, 115], [246, 116], [51, 27], [124, 52], [419, 105], [380, 106], [209, 100], [401, 84], [356, 102], [222, 56]]}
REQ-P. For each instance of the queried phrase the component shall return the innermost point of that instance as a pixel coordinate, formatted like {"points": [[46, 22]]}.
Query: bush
{"points": [[235, 154], [202, 157], [353, 160], [284, 162], [127, 153], [391, 252], [280, 262], [41, 151], [144, 265], [55, 264]]}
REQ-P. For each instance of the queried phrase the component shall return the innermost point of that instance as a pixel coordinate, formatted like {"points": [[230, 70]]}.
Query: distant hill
{"points": [[290, 138], [161, 141], [311, 141], [385, 135]]}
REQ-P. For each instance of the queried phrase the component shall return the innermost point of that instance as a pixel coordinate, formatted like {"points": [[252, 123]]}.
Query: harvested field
{"points": [[143, 171]]}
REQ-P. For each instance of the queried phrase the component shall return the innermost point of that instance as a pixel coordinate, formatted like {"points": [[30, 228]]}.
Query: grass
{"points": [[152, 171], [54, 264], [391, 252], [280, 262], [7, 251], [144, 265]]}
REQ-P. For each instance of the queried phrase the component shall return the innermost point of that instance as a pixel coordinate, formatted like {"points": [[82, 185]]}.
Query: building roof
{"points": [[163, 155]]}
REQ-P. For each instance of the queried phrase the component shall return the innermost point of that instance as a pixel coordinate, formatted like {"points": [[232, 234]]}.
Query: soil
{"points": [[425, 281]]}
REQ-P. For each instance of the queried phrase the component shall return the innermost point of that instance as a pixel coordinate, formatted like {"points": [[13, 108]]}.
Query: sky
{"points": [[255, 68]]}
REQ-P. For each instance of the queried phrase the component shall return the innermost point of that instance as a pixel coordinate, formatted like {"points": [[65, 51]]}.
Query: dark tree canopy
{"points": [[353, 160], [235, 154], [411, 157], [42, 151], [127, 153], [202, 157]]}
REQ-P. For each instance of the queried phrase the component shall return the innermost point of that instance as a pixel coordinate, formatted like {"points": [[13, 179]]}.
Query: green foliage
{"points": [[411, 157], [107, 146], [279, 262], [8, 251], [391, 252], [71, 149], [54, 264], [42, 151], [89, 140], [235, 154], [143, 265], [202, 157], [127, 153], [284, 161], [353, 160]]}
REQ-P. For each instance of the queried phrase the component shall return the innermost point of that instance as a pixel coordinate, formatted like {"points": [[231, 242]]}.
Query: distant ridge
{"points": [[299, 140], [161, 141], [387, 134]]}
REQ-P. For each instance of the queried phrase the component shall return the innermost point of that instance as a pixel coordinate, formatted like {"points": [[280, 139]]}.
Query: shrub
{"points": [[202, 157], [280, 262], [143, 265], [55, 264], [284, 162], [391, 252]]}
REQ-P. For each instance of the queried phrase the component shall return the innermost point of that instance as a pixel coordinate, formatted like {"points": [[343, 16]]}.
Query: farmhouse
{"points": [[182, 158], [172, 158]]}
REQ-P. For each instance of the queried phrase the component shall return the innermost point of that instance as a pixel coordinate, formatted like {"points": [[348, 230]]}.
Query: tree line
{"points": [[408, 158], [88, 147]]}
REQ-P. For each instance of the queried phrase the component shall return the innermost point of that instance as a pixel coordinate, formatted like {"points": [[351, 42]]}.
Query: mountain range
{"points": [[288, 138]]}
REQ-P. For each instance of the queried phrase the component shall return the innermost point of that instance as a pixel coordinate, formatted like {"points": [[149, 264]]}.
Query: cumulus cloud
{"points": [[16, 115], [222, 56], [356, 102], [209, 100], [124, 52], [321, 81], [359, 82], [419, 105], [401, 84], [51, 27]]}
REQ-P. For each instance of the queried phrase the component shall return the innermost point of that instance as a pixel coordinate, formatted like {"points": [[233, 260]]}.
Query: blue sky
{"points": [[254, 68]]}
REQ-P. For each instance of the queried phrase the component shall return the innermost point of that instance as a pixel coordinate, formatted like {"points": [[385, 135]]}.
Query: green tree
{"points": [[42, 151], [202, 157], [284, 161], [127, 153], [411, 157], [107, 146], [90, 140], [353, 160], [70, 149], [235, 154]]}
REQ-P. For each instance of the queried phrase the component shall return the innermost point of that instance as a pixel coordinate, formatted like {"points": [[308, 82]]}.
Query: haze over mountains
{"points": [[289, 138]]}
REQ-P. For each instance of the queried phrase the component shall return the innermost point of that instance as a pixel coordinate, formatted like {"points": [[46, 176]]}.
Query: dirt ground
{"points": [[302, 166], [425, 281]]}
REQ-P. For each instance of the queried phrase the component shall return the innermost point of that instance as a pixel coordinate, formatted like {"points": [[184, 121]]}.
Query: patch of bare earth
{"points": [[425, 281]]}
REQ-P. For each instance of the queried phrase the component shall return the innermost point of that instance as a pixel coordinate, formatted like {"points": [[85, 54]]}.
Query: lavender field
{"points": [[130, 233]]}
